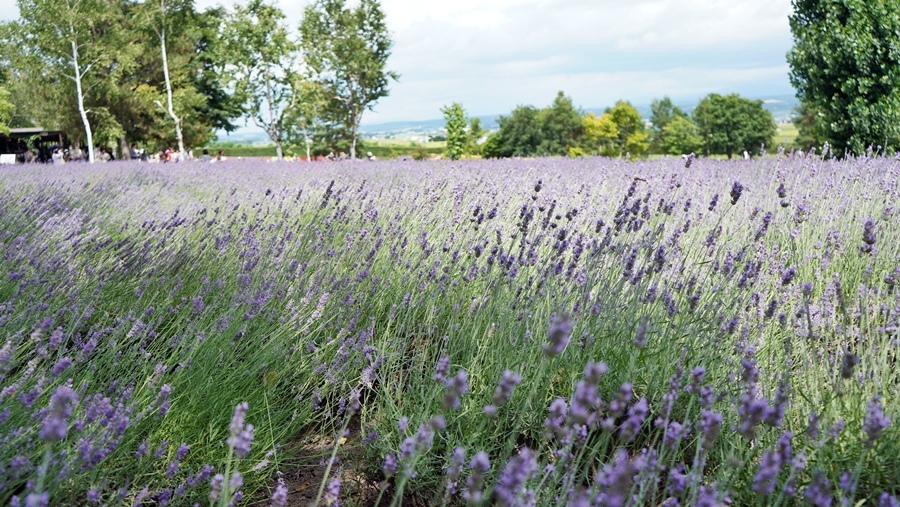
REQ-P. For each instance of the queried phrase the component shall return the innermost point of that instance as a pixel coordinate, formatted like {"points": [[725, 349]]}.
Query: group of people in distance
{"points": [[56, 155]]}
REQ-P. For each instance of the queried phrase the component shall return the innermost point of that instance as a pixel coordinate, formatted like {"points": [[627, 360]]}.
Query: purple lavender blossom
{"points": [[332, 496], [869, 234], [558, 412], [769, 467], [888, 500], [615, 480], [709, 497], [216, 483], [457, 461], [241, 435], [818, 491], [806, 288], [162, 399], [55, 424], [787, 276], [389, 467], [456, 387], [37, 499], [61, 366], [868, 245], [736, 190], [713, 203], [280, 495], [847, 483], [848, 362], [640, 336], [636, 416], [515, 476], [559, 334], [505, 388], [442, 370], [875, 421], [710, 427], [480, 465]]}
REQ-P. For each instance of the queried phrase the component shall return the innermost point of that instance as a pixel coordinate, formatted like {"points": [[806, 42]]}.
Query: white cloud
{"points": [[494, 54]]}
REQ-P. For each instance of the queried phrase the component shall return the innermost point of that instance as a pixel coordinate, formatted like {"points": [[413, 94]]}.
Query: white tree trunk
{"points": [[165, 60], [357, 117], [306, 139], [81, 110], [274, 126]]}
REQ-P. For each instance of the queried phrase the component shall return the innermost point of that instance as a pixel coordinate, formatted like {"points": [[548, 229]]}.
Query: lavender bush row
{"points": [[518, 332]]}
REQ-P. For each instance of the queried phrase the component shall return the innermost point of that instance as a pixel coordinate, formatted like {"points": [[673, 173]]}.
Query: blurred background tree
{"points": [[346, 50], [730, 123], [457, 139], [6, 110], [845, 66]]}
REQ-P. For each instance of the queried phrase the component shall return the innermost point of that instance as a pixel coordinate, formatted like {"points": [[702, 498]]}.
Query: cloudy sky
{"points": [[491, 55]]}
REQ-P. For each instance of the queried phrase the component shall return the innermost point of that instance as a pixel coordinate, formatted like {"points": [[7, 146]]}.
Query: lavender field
{"points": [[516, 332]]}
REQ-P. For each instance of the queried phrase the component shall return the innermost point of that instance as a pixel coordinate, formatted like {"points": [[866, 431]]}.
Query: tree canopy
{"points": [[346, 49], [455, 118], [731, 123], [845, 66], [6, 110], [261, 61]]}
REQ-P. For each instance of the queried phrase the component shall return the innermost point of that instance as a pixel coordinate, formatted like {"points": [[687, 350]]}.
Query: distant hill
{"points": [[781, 107]]}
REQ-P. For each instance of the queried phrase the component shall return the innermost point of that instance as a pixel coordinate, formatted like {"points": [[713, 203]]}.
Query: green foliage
{"points": [[662, 112], [731, 123], [680, 136], [811, 128], [261, 62], [492, 146], [347, 50], [519, 134], [845, 66], [476, 132], [632, 139], [529, 131], [561, 127], [6, 110], [600, 134], [123, 81], [455, 118]]}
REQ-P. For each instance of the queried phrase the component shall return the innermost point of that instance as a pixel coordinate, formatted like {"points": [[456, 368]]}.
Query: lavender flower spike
{"points": [[736, 190], [279, 496], [55, 424], [241, 434], [480, 465], [560, 332], [510, 486], [875, 422], [505, 388]]}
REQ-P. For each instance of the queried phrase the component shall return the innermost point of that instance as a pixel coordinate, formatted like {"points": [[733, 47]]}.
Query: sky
{"points": [[492, 55]]}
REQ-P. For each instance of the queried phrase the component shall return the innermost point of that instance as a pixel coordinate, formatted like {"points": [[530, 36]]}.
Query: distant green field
{"points": [[381, 148], [786, 134]]}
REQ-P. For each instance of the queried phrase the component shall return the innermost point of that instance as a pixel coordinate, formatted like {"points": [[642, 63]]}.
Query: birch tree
{"points": [[158, 18], [66, 38], [262, 65], [347, 50]]}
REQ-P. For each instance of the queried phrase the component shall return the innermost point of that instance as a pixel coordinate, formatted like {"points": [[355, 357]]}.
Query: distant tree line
{"points": [[719, 125], [161, 73]]}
